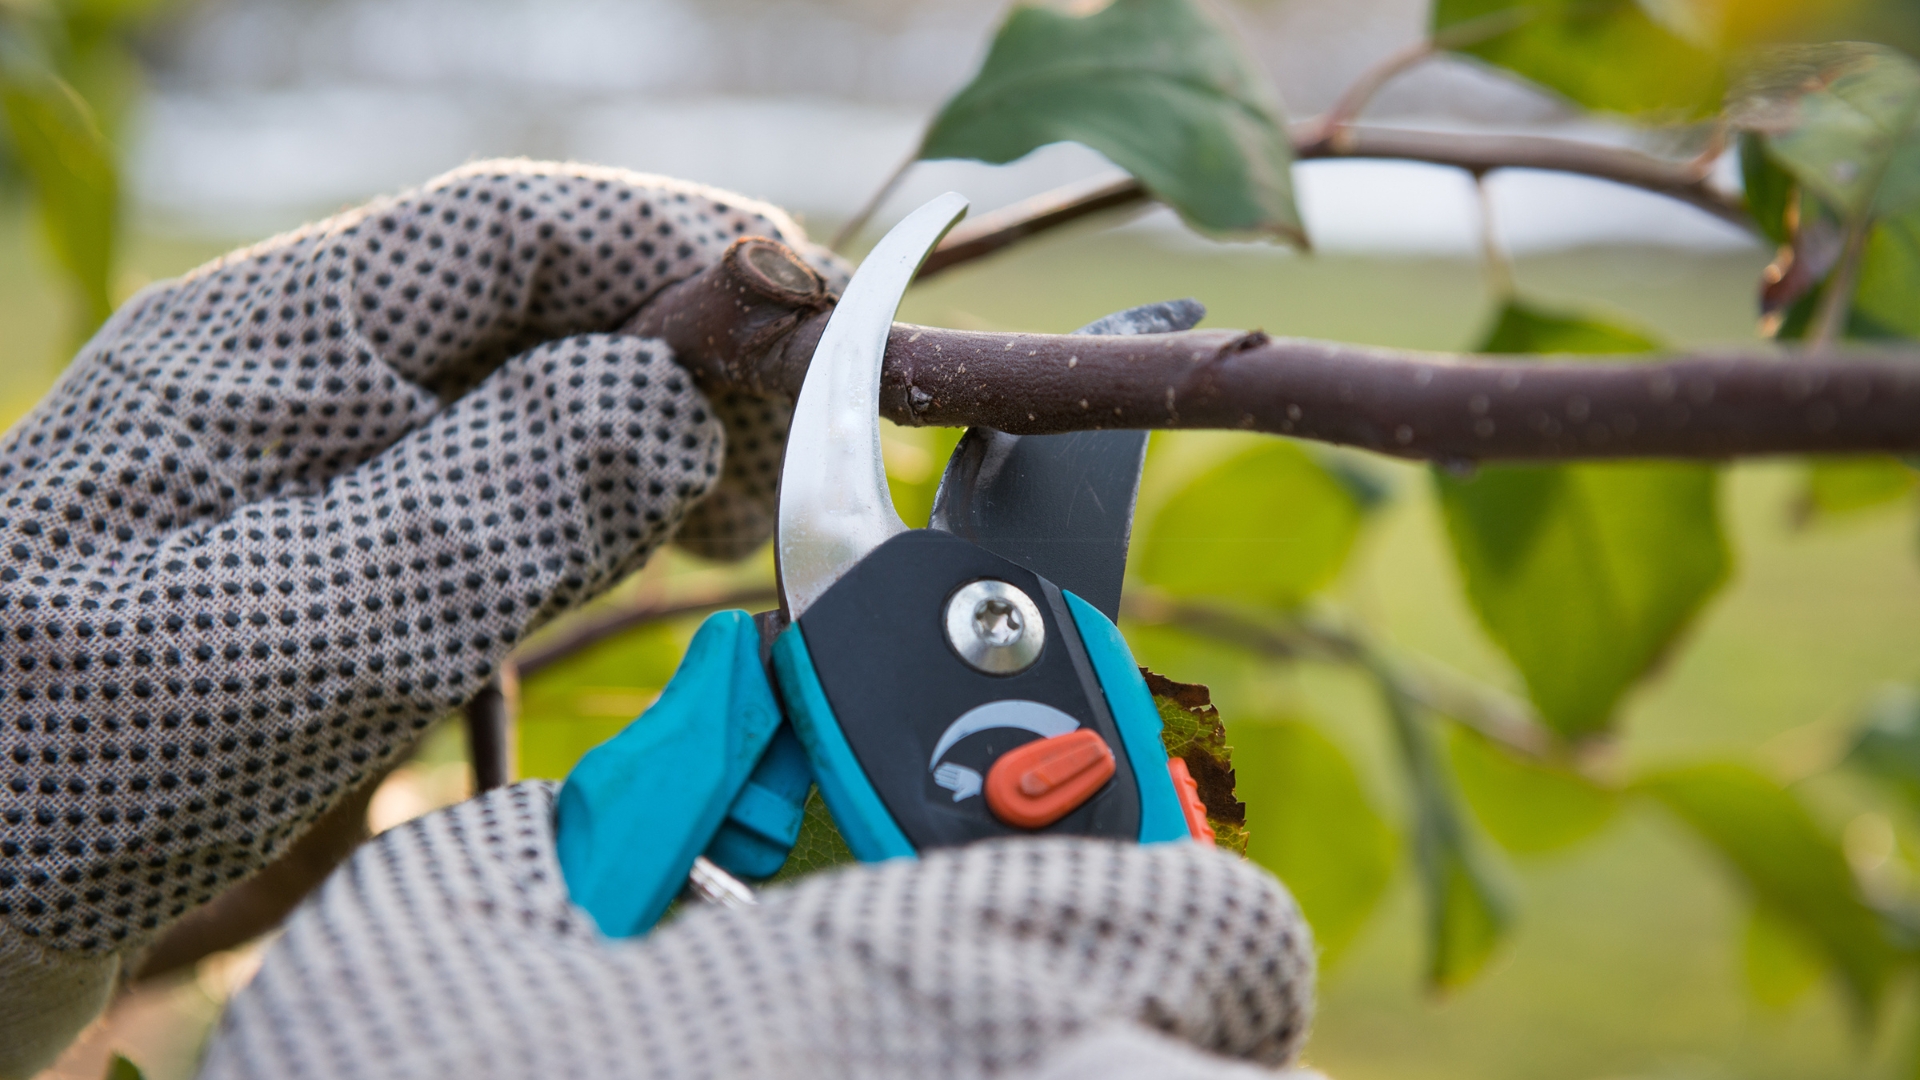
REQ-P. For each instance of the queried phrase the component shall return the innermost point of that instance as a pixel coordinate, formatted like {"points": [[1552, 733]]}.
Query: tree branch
{"points": [[1477, 154], [1436, 406]]}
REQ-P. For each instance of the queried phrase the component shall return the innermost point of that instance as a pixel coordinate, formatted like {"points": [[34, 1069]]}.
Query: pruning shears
{"points": [[939, 685]]}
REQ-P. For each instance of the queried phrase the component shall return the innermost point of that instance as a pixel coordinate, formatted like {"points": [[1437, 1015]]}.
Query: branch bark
{"points": [[1452, 408]]}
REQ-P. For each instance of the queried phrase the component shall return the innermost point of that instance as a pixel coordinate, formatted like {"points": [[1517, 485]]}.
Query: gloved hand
{"points": [[448, 948], [283, 513]]}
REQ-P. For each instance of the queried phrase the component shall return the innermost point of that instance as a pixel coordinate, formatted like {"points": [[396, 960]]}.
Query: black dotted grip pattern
{"points": [[282, 513]]}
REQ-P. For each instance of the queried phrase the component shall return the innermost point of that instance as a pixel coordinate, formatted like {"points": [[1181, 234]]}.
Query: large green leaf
{"points": [[1842, 119], [1528, 807], [119, 1068], [1312, 824], [1583, 574], [1781, 856], [1268, 526], [1158, 86], [1468, 913], [75, 181], [1616, 55]]}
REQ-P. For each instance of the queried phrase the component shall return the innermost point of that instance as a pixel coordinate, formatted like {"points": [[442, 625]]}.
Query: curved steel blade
{"points": [[834, 506], [1059, 505]]}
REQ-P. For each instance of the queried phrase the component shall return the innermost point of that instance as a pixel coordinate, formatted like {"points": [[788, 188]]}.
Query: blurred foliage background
{"points": [[1585, 772]]}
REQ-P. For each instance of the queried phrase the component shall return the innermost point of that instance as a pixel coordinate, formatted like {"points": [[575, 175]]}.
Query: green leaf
{"points": [[1784, 859], [1190, 728], [819, 847], [1842, 119], [1615, 55], [1467, 912], [1312, 824], [119, 1068], [1883, 298], [75, 180], [1845, 485], [1528, 807], [1584, 575], [1888, 746], [1781, 964], [1524, 327], [1268, 526], [1158, 86]]}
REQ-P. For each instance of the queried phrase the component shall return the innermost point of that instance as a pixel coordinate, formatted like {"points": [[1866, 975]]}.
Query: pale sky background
{"points": [[268, 112]]}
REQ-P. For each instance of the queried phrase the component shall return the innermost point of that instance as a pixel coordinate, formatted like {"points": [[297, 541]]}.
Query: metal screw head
{"points": [[995, 627]]}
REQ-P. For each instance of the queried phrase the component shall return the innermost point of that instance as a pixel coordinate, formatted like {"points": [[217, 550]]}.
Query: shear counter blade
{"points": [[1059, 505], [834, 505]]}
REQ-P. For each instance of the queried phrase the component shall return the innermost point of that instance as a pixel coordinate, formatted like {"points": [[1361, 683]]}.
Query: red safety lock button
{"points": [[1191, 807], [1035, 785]]}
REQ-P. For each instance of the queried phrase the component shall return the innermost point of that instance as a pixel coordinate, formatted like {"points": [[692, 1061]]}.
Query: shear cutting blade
{"points": [[834, 505]]}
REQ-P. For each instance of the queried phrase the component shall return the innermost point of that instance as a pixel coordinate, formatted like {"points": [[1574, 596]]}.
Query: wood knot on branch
{"points": [[726, 323]]}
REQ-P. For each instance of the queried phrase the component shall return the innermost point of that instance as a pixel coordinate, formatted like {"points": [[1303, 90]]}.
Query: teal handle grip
{"points": [[637, 810], [764, 821], [869, 830], [1131, 703]]}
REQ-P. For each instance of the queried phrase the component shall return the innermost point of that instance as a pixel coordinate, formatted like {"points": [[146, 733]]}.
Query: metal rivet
{"points": [[995, 627]]}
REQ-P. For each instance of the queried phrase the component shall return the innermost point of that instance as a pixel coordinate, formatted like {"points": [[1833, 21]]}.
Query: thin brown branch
{"points": [[489, 717], [1836, 302], [1048, 210], [1355, 98], [1491, 714], [1478, 154], [592, 627]]}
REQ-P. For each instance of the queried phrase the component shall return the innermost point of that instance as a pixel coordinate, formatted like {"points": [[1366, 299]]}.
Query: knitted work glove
{"points": [[286, 511], [448, 947]]}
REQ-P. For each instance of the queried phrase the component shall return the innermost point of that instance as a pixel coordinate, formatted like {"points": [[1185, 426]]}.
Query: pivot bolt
{"points": [[995, 627]]}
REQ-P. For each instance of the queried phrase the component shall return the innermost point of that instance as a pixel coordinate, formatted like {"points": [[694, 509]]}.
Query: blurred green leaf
{"points": [[1888, 745], [121, 1069], [1844, 485], [1158, 86], [1528, 807], [1842, 118], [1781, 965], [1584, 575], [1784, 859], [1524, 327], [1312, 824], [1769, 189], [587, 698], [915, 459], [1616, 55], [1468, 913], [1883, 298], [75, 180], [1267, 526], [1778, 961]]}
